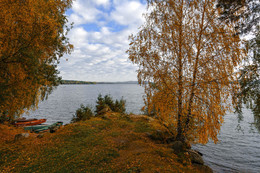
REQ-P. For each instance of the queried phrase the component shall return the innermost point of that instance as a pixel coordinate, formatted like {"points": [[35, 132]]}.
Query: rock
{"points": [[104, 110], [170, 140], [21, 136], [187, 146], [106, 115], [54, 129], [203, 168], [157, 135], [26, 135], [159, 131], [177, 146], [195, 157], [148, 134], [150, 119], [40, 136], [198, 152]]}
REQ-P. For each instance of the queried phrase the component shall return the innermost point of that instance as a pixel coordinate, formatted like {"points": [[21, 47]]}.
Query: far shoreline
{"points": [[75, 82]]}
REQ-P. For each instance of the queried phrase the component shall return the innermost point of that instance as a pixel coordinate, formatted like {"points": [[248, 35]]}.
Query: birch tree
{"points": [[32, 40], [187, 60]]}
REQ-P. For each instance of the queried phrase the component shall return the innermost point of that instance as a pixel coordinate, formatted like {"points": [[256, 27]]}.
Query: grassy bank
{"points": [[114, 144]]}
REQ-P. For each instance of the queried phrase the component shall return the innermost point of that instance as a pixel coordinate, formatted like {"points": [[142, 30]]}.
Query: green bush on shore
{"points": [[107, 102], [82, 114], [104, 104]]}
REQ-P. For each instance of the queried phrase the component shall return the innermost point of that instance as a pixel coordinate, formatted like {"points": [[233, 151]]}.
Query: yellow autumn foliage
{"points": [[187, 63], [32, 40]]}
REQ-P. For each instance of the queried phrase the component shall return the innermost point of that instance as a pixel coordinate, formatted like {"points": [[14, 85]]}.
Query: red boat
{"points": [[29, 122], [24, 119]]}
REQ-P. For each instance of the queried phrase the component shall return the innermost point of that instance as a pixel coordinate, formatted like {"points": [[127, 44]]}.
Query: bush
{"points": [[82, 114], [119, 106], [107, 103], [104, 104]]}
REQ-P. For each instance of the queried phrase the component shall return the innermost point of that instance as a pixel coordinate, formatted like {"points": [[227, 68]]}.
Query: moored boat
{"points": [[25, 120], [35, 127], [41, 128], [29, 122]]}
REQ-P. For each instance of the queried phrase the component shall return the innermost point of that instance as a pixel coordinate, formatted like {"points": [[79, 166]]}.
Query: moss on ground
{"points": [[113, 144]]}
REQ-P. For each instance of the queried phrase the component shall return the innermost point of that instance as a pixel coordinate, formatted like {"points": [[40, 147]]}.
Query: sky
{"points": [[100, 37]]}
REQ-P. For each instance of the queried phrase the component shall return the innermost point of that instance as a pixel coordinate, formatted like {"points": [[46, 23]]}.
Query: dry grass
{"points": [[114, 144]]}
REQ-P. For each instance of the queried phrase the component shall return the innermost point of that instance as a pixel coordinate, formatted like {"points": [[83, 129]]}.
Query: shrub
{"points": [[82, 114], [104, 104], [107, 102], [119, 106], [100, 104]]}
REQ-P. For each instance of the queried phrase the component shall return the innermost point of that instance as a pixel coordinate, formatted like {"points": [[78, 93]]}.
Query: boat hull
{"points": [[25, 120], [30, 123], [32, 128], [42, 128]]}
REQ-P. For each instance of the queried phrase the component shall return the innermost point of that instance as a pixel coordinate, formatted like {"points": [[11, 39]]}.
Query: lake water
{"points": [[238, 149], [66, 99]]}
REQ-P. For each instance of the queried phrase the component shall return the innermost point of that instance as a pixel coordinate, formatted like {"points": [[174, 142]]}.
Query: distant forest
{"points": [[68, 82], [76, 82]]}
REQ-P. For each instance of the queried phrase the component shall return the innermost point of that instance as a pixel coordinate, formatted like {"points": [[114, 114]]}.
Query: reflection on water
{"points": [[257, 122], [238, 149], [254, 106]]}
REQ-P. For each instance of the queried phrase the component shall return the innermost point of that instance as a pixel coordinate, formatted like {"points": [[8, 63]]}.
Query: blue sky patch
{"points": [[115, 27], [90, 27]]}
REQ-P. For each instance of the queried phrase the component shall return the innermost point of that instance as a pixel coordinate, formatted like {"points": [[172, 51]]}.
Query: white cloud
{"points": [[78, 36], [84, 11], [128, 12], [104, 3], [99, 46]]}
